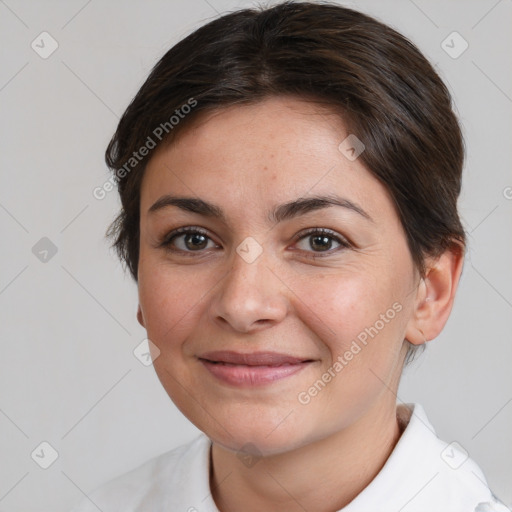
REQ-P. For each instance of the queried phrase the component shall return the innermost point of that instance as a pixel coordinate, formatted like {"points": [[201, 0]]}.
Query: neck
{"points": [[323, 476]]}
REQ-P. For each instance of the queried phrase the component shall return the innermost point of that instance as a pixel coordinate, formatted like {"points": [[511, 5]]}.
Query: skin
{"points": [[247, 159]]}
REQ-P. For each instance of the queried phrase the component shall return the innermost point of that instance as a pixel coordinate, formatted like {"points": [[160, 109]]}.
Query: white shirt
{"points": [[422, 474]]}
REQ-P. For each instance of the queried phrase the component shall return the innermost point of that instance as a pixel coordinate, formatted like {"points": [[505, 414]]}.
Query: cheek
{"points": [[357, 321], [339, 307], [170, 303]]}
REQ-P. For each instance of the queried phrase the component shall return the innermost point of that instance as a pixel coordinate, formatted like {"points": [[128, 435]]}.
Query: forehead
{"points": [[271, 152]]}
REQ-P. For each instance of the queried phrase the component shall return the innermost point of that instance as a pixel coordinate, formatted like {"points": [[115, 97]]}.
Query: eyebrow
{"points": [[280, 213]]}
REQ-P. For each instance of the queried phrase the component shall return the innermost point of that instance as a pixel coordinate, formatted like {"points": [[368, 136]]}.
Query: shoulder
{"points": [[164, 480], [492, 506], [425, 473], [451, 479]]}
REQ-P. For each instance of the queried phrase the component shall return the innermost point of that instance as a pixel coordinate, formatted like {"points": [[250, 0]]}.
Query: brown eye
{"points": [[187, 240], [194, 241], [321, 241]]}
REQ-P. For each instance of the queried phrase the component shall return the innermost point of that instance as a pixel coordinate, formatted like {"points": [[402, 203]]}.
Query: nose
{"points": [[250, 297]]}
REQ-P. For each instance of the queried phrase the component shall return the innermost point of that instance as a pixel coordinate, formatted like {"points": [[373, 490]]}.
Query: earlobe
{"points": [[140, 317], [436, 295]]}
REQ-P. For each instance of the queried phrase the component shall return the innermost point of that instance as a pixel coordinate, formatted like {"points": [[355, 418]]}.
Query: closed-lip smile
{"points": [[252, 368]]}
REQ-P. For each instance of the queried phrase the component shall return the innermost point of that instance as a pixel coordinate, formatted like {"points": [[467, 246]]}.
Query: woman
{"points": [[289, 180]]}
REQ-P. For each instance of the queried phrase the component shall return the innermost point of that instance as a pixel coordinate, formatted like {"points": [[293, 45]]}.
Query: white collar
{"points": [[419, 475]]}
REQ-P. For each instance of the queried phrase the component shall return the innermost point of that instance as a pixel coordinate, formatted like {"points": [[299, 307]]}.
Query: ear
{"points": [[435, 295], [140, 317]]}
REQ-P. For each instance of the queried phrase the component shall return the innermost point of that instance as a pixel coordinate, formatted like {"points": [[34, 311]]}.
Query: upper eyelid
{"points": [[184, 231], [326, 231]]}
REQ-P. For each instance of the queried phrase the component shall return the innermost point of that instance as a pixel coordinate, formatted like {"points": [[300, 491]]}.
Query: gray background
{"points": [[68, 374]]}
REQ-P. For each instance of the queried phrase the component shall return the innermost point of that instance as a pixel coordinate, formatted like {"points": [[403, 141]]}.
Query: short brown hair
{"points": [[386, 92]]}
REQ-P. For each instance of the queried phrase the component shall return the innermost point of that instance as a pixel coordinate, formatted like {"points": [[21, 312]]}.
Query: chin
{"points": [[257, 435]]}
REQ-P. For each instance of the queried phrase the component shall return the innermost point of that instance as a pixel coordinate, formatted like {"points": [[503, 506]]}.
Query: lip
{"points": [[252, 369]]}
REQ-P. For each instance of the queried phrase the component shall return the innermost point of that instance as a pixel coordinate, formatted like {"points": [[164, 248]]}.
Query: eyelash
{"points": [[168, 239]]}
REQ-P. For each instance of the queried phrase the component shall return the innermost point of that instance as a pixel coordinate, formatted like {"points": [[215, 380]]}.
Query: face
{"points": [[276, 323]]}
